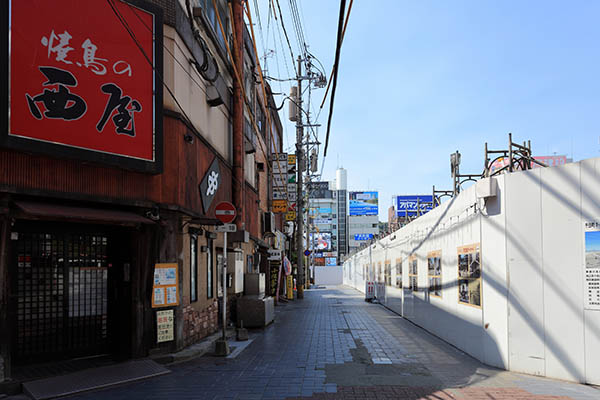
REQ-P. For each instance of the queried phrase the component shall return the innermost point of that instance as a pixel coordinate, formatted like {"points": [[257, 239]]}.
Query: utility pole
{"points": [[300, 200]]}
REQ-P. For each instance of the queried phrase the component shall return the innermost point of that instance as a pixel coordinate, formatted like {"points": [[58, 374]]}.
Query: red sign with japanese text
{"points": [[82, 75]]}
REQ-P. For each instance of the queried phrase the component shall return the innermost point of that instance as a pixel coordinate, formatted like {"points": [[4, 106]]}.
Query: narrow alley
{"points": [[334, 345]]}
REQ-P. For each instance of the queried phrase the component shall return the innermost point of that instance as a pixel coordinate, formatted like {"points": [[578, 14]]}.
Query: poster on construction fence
{"points": [[164, 326], [165, 289], [592, 265]]}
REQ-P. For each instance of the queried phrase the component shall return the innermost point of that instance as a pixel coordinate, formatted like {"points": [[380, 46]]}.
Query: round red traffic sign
{"points": [[225, 212]]}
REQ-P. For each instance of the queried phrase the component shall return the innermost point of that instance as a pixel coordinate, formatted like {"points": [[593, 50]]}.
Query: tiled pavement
{"points": [[333, 345]]}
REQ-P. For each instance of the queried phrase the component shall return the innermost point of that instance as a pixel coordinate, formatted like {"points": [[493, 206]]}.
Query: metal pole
{"points": [[510, 153], [225, 286], [300, 200]]}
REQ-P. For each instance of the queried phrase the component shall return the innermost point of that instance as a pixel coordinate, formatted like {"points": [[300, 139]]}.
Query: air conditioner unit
{"points": [[235, 268], [268, 222]]}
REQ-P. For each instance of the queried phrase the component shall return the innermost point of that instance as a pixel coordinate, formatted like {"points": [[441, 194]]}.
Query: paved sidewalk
{"points": [[333, 345]]}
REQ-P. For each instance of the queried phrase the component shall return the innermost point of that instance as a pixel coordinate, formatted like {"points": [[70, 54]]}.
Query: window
{"points": [[399, 273], [388, 273], [413, 273], [469, 275], [193, 268], [434, 272], [209, 270], [211, 17]]}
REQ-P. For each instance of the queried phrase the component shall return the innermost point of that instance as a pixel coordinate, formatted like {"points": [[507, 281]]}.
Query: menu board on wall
{"points": [[469, 275], [592, 265], [165, 291]]}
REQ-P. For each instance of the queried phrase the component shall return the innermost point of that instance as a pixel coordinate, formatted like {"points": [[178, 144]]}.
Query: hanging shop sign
{"points": [[210, 185], [279, 206], [81, 86], [165, 289], [164, 326], [290, 216], [592, 265]]}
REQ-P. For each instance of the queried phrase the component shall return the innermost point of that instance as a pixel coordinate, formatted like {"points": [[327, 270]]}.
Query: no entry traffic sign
{"points": [[225, 212]]}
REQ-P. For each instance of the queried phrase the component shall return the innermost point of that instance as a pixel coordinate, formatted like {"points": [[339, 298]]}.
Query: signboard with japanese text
{"points": [[164, 326], [363, 236], [408, 205], [165, 286], [592, 265], [81, 86], [364, 203], [279, 206]]}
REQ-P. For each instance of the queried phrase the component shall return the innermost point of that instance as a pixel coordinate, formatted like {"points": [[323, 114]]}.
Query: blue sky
{"points": [[421, 79], [592, 241]]}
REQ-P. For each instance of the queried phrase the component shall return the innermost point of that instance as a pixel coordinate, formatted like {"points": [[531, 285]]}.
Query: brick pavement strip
{"points": [[422, 393], [334, 345]]}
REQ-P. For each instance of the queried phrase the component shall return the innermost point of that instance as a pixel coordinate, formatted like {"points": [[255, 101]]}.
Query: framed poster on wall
{"points": [[413, 273], [434, 272], [469, 275]]}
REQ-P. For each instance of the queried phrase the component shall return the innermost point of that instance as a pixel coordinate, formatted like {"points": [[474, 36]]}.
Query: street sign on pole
{"points": [[226, 228], [225, 212]]}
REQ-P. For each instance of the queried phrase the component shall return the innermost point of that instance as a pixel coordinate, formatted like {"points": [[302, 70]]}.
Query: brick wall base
{"points": [[199, 324]]}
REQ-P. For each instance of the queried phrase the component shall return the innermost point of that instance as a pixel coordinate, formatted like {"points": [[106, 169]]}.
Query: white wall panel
{"points": [[532, 259], [590, 207], [563, 278], [525, 270], [495, 292]]}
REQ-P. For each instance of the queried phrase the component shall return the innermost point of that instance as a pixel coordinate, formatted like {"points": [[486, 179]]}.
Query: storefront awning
{"points": [[81, 214]]}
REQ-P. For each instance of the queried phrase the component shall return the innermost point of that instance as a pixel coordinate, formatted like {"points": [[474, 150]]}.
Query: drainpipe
{"points": [[238, 117]]}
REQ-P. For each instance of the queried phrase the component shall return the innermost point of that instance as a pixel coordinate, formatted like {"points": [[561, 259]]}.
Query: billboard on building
{"points": [[408, 205], [364, 203], [320, 241], [363, 236], [330, 261], [81, 87], [320, 190]]}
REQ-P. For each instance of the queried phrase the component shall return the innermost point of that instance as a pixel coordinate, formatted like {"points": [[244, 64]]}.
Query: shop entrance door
{"points": [[60, 295]]}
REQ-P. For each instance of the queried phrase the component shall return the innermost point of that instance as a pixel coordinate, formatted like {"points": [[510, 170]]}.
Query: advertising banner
{"points": [[364, 203], [80, 86], [363, 236], [331, 261], [407, 205], [322, 221], [321, 241]]}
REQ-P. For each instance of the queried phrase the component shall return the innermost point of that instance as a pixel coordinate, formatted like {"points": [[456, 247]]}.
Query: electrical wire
{"points": [[340, 44], [287, 38], [335, 73]]}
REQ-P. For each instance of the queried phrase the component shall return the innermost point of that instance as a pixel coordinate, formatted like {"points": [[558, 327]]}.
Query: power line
{"points": [[285, 31], [338, 48]]}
